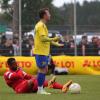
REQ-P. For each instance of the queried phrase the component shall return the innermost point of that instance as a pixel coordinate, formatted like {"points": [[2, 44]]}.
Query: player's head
{"points": [[12, 64], [44, 14]]}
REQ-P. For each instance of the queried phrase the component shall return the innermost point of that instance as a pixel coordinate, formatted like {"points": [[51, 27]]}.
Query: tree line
{"points": [[88, 14]]}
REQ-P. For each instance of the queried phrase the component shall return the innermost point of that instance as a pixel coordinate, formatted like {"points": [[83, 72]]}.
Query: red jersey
{"points": [[14, 78]]}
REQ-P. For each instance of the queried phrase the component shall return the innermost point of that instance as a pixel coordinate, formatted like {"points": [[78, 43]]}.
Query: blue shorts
{"points": [[42, 61]]}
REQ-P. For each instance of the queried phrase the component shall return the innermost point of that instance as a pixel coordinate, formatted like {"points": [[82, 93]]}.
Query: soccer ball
{"points": [[75, 88]]}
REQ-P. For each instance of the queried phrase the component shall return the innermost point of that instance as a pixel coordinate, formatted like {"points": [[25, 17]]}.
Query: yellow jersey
{"points": [[41, 48]]}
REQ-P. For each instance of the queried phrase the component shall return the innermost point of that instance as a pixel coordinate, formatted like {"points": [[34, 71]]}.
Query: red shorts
{"points": [[23, 87]]}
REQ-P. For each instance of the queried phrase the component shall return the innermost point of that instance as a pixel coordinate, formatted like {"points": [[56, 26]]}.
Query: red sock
{"points": [[57, 86], [45, 83]]}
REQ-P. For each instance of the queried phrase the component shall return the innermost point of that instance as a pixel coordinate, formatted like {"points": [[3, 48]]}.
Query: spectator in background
{"points": [[71, 46], [94, 46], [83, 48], [3, 39], [30, 37], [16, 46], [31, 43], [65, 49], [68, 45], [98, 47], [7, 48], [26, 48]]}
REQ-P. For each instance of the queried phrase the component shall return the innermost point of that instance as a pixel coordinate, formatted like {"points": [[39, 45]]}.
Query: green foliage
{"points": [[87, 14], [30, 9], [5, 17], [4, 4]]}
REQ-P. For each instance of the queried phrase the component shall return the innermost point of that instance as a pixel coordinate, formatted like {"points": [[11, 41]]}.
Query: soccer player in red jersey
{"points": [[22, 82]]}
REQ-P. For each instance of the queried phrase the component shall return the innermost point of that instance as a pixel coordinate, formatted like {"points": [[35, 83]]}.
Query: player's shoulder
{"points": [[7, 73], [40, 24]]}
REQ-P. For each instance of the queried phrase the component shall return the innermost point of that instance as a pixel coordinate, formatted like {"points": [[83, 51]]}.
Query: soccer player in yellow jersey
{"points": [[42, 47]]}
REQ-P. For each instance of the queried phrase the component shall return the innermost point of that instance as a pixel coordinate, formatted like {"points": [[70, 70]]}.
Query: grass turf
{"points": [[90, 90]]}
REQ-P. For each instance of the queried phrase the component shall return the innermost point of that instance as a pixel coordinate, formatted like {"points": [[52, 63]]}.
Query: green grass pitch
{"points": [[90, 90]]}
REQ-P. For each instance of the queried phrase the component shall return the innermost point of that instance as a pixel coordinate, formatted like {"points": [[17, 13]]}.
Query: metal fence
{"points": [[87, 42]]}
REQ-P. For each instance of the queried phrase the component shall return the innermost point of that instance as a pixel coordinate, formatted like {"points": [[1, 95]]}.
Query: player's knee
{"points": [[42, 70]]}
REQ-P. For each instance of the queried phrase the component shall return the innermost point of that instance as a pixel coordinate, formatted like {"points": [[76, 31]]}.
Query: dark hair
{"points": [[42, 12], [10, 61], [3, 39], [84, 37]]}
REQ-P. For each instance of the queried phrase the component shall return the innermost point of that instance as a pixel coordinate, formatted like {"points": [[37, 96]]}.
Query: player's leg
{"points": [[24, 87], [42, 63], [50, 82], [33, 85], [51, 66], [66, 86], [56, 85]]}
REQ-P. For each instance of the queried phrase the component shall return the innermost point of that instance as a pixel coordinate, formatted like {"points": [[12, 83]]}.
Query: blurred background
{"points": [[77, 22]]}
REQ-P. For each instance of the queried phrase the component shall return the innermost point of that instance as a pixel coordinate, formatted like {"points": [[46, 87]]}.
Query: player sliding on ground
{"points": [[22, 82], [42, 47]]}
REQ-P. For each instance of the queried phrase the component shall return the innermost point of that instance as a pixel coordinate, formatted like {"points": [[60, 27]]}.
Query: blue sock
{"points": [[40, 79]]}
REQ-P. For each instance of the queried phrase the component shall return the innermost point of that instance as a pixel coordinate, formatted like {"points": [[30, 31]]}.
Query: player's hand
{"points": [[61, 45], [56, 38]]}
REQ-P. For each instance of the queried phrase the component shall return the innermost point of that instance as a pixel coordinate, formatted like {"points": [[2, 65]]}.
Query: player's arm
{"points": [[13, 76], [57, 44], [27, 76], [47, 39], [43, 35]]}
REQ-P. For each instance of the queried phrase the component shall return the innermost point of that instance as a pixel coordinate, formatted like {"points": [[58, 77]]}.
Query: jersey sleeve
{"points": [[12, 76], [27, 76]]}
